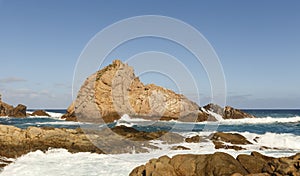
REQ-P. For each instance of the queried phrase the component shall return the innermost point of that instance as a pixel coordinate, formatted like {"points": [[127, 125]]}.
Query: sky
{"points": [[257, 42]]}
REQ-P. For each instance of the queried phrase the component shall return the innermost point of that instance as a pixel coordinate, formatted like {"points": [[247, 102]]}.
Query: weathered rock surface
{"points": [[115, 90], [15, 142], [231, 139], [133, 134], [40, 113], [220, 164], [227, 112], [191, 165], [179, 147], [10, 111], [193, 139]]}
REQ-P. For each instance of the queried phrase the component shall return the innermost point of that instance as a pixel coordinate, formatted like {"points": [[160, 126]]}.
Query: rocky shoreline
{"points": [[114, 91], [15, 142]]}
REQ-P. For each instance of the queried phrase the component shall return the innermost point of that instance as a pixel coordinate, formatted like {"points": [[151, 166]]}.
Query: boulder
{"points": [[193, 139], [233, 138], [40, 113], [179, 147], [227, 112], [252, 164], [19, 111], [5, 109], [8, 110], [220, 164], [191, 165]]}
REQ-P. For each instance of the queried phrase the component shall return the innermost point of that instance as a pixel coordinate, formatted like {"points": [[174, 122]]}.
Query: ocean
{"points": [[276, 133]]}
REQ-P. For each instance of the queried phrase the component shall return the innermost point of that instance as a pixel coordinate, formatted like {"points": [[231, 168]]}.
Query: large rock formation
{"points": [[115, 90], [220, 164], [10, 111]]}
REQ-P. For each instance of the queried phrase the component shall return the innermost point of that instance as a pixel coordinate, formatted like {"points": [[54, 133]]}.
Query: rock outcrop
{"points": [[10, 111], [40, 113], [15, 142], [115, 90], [228, 140], [227, 112], [191, 165], [220, 164]]}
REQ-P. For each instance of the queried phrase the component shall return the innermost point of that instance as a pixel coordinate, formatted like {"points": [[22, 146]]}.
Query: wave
{"points": [[263, 120], [60, 123], [53, 115], [282, 141], [258, 120], [128, 121], [80, 164]]}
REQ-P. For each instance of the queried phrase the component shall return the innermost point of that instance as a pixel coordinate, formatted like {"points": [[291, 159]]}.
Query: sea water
{"points": [[277, 129]]}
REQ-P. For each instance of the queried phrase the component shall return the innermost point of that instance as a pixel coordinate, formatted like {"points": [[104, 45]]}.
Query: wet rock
{"points": [[15, 142], [227, 112], [133, 134], [40, 113], [180, 148], [233, 138], [219, 145], [193, 139]]}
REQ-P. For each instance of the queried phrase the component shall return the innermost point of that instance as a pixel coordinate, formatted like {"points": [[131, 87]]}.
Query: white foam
{"points": [[217, 116], [53, 115], [128, 121], [283, 141], [263, 120], [61, 123]]}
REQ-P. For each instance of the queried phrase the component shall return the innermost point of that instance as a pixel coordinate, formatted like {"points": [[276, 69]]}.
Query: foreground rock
{"points": [[191, 165], [10, 111], [115, 90], [220, 164]]}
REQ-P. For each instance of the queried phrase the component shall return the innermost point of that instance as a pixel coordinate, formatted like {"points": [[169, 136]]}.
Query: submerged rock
{"points": [[231, 139], [40, 113], [193, 139]]}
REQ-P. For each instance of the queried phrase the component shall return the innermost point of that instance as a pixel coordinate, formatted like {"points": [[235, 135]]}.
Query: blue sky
{"points": [[258, 43]]}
